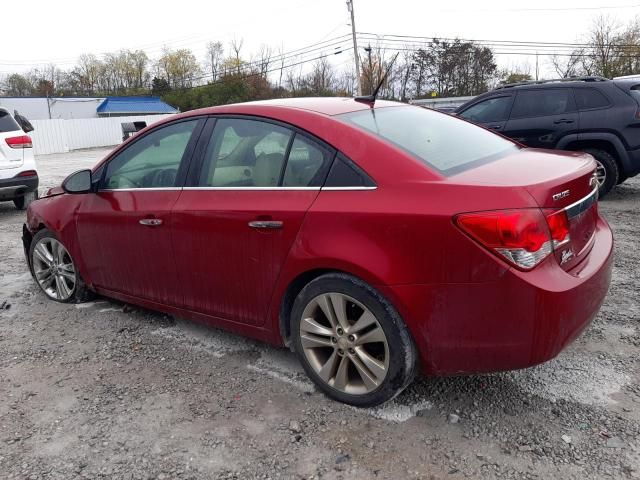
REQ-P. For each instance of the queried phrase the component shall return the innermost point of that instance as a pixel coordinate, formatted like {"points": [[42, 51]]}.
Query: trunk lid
{"points": [[557, 181]]}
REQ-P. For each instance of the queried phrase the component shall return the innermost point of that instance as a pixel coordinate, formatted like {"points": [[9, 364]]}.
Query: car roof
{"points": [[324, 105]]}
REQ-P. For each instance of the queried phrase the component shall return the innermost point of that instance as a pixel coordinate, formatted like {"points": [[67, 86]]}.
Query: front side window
{"points": [[443, 142], [542, 103], [245, 153], [152, 161], [491, 110]]}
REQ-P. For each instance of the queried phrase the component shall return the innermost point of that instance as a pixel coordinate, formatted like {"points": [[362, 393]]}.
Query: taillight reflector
{"points": [[523, 237], [27, 173], [22, 141]]}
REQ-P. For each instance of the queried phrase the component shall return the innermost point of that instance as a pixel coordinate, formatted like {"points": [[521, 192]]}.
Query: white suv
{"points": [[18, 175]]}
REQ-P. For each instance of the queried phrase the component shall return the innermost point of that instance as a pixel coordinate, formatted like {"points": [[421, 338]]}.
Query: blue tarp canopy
{"points": [[134, 105]]}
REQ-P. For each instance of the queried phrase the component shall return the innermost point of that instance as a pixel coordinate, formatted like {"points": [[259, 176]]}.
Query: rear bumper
{"points": [[11, 188], [520, 320]]}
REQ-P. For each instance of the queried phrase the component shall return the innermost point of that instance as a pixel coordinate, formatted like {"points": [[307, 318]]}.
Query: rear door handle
{"points": [[495, 127], [150, 222], [266, 224], [563, 120]]}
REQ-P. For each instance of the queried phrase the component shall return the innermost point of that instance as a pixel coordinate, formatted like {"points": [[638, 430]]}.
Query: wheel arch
{"points": [[296, 282], [602, 141]]}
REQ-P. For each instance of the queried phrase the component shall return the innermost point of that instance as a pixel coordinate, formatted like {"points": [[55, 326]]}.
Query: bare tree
{"points": [[215, 55], [568, 66], [236, 47]]}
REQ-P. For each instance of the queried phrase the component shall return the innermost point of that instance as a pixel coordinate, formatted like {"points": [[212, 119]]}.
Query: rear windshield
{"points": [[7, 123], [443, 142]]}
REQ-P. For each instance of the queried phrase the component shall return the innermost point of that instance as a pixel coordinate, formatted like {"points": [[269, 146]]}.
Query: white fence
{"points": [[59, 136]]}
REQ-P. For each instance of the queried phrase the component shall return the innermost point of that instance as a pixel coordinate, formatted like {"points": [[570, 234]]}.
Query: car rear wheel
{"points": [[606, 170], [54, 270], [25, 200], [351, 341]]}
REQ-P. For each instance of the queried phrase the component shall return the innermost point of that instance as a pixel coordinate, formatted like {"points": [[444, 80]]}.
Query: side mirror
{"points": [[78, 182]]}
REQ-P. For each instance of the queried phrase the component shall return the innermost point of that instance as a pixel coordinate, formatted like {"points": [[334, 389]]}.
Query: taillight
{"points": [[558, 226], [23, 141], [523, 237]]}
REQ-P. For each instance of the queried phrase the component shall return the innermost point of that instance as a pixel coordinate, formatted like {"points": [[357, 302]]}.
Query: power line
{"points": [[424, 39], [552, 9], [259, 74]]}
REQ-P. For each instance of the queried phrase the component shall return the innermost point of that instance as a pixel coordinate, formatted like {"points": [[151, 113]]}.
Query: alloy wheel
{"points": [[601, 174], [53, 269], [344, 343]]}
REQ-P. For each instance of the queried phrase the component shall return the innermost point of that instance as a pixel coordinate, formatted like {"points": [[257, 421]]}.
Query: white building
{"points": [[67, 108]]}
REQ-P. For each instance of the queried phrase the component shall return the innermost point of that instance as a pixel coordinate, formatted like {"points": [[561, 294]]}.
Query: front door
{"points": [[539, 118], [235, 226], [125, 228]]}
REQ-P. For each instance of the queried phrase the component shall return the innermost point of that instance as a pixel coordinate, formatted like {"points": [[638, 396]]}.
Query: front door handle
{"points": [[495, 127], [150, 222], [563, 120], [266, 224]]}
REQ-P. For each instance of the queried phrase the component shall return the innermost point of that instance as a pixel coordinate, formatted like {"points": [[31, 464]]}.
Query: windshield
{"points": [[445, 143]]}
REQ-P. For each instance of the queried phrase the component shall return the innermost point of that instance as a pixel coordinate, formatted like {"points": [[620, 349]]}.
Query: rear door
{"points": [[491, 113], [10, 157], [234, 226], [540, 117]]}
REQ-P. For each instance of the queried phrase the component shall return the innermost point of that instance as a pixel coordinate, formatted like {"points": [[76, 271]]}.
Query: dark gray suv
{"points": [[589, 114]]}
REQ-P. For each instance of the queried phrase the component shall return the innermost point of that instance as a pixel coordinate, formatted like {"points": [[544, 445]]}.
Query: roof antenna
{"points": [[372, 98]]}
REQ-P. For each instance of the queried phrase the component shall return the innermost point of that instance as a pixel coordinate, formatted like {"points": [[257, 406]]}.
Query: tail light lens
{"points": [[522, 237], [23, 141]]}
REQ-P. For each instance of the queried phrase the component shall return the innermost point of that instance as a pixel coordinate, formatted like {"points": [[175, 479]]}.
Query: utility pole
{"points": [[355, 47]]}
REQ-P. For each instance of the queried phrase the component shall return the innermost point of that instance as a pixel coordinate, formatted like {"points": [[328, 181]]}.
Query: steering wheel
{"points": [[122, 181], [161, 178]]}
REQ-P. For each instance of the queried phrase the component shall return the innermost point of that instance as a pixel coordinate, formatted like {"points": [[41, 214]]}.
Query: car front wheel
{"points": [[351, 341], [54, 270]]}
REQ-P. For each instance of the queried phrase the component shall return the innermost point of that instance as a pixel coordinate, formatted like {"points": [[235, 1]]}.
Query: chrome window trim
{"points": [[152, 189], [576, 208], [252, 188], [348, 188], [237, 189]]}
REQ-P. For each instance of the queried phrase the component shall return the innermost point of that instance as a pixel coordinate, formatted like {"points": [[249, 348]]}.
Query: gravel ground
{"points": [[108, 390]]}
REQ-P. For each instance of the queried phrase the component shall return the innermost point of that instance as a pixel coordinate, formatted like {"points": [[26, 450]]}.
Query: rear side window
{"points": [[344, 173], [635, 92], [245, 153], [445, 143], [587, 98], [542, 103], [307, 163], [7, 123], [491, 110]]}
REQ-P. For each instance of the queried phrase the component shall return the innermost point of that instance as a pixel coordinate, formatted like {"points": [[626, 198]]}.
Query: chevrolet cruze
{"points": [[375, 239]]}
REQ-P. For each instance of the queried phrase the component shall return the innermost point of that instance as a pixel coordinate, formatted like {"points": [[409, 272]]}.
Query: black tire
{"points": [[401, 349], [80, 292], [25, 200], [610, 166]]}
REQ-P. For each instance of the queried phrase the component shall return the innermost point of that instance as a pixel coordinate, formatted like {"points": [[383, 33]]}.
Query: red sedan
{"points": [[375, 240]]}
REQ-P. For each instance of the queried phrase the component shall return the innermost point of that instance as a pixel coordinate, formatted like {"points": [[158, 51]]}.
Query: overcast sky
{"points": [[40, 32]]}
